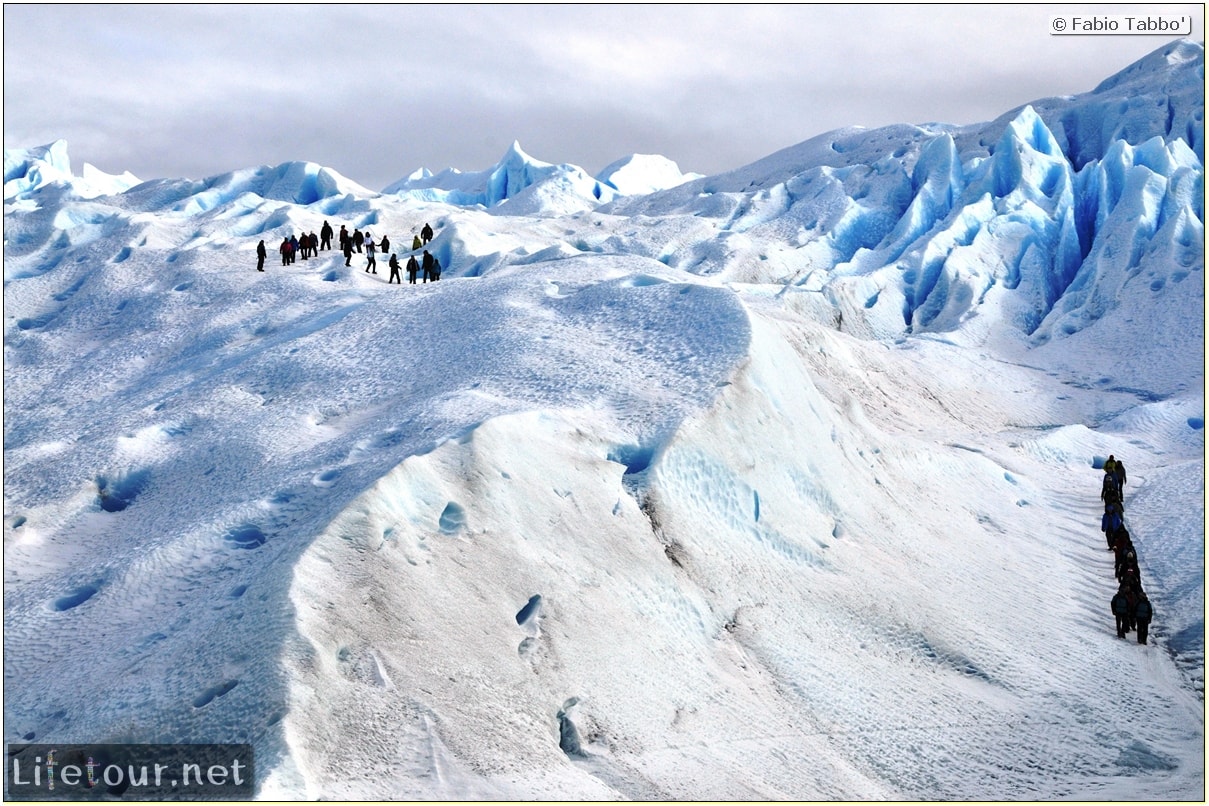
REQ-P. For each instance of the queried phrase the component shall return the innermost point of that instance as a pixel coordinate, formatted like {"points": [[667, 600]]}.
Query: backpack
{"points": [[1143, 610], [1120, 605]]}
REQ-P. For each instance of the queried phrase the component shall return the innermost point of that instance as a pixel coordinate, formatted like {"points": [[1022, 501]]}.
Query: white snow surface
{"points": [[778, 484]]}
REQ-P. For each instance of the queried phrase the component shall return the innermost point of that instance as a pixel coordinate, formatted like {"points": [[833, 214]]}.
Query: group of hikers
{"points": [[1130, 605], [310, 245]]}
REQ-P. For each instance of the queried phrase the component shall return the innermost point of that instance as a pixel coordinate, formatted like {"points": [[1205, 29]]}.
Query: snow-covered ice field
{"points": [[778, 484]]}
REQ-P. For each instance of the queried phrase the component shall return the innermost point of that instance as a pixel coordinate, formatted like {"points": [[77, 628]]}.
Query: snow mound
{"points": [[27, 170], [520, 185], [639, 174]]}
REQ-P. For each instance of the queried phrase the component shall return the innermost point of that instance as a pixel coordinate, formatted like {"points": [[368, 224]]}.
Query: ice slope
{"points": [[623, 507], [813, 599]]}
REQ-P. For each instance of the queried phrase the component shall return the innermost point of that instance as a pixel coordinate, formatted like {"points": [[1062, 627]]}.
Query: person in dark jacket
{"points": [[436, 268], [385, 244], [426, 233], [358, 240], [293, 248], [325, 236], [1110, 523], [261, 253], [412, 268], [394, 270], [348, 251], [1143, 612], [1121, 544], [344, 237], [1109, 493], [1119, 475], [284, 249], [1129, 564], [1120, 609], [426, 265]]}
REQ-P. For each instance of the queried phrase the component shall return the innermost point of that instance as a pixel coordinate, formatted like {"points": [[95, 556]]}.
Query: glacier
{"points": [[775, 484]]}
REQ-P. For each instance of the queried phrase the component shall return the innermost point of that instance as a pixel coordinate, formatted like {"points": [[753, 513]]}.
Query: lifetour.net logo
{"points": [[129, 772]]}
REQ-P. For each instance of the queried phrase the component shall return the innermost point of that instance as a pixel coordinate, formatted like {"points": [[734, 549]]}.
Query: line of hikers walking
{"points": [[310, 245], [1130, 605]]}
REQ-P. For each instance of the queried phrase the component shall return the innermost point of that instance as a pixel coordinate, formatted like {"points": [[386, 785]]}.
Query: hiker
{"points": [[1110, 464], [1119, 475], [426, 233], [1143, 612], [1120, 609], [304, 245], [1121, 544], [293, 248], [325, 236], [369, 253], [1110, 523], [358, 240], [394, 270], [426, 265], [261, 252], [344, 237], [284, 249], [385, 244], [436, 268], [1129, 564], [314, 244], [415, 243], [348, 251], [1109, 493], [412, 268], [1131, 591]]}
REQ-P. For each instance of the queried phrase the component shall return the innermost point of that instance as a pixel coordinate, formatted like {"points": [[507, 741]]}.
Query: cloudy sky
{"points": [[376, 91]]}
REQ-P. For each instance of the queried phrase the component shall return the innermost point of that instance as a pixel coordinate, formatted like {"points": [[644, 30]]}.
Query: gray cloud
{"points": [[378, 91]]}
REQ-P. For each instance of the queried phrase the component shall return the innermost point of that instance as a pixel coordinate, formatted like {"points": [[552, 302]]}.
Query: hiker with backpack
{"points": [[426, 234], [436, 268], [412, 268], [416, 243], [1120, 609], [261, 253], [385, 244], [348, 251], [1129, 564], [1110, 523], [325, 236], [1109, 493], [1143, 612], [394, 270]]}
